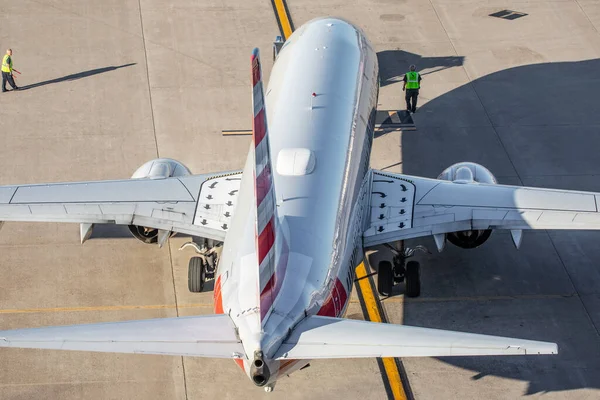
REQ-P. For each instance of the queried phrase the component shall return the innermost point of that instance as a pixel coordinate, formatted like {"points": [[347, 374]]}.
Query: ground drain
{"points": [[508, 14]]}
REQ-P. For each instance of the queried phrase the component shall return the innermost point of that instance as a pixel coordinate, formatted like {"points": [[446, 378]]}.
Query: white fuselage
{"points": [[322, 96]]}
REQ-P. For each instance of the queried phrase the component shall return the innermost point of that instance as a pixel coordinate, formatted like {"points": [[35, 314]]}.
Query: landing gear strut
{"points": [[398, 271], [277, 45], [202, 267]]}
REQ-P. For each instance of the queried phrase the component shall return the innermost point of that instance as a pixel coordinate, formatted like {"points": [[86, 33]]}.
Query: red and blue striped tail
{"points": [[271, 247]]}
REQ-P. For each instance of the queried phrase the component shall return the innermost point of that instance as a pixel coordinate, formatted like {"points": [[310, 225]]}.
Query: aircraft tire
{"points": [[413, 279], [385, 278], [196, 275]]}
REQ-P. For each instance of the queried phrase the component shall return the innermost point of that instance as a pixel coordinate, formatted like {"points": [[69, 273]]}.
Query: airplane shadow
{"points": [[76, 76], [393, 64], [535, 125], [113, 231], [110, 231]]}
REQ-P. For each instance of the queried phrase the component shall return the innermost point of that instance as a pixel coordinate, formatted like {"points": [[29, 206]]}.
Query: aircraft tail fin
{"points": [[325, 337], [271, 248]]}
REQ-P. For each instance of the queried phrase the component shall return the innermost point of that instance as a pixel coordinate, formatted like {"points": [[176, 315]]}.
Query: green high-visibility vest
{"points": [[412, 80], [6, 65]]}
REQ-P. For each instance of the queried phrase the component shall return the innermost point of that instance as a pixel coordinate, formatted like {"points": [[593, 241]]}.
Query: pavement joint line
{"points": [[148, 76], [158, 156], [587, 16], [185, 389], [554, 175], [478, 298], [103, 308], [472, 85], [90, 382], [352, 301], [173, 278], [118, 28], [587, 312], [373, 311]]}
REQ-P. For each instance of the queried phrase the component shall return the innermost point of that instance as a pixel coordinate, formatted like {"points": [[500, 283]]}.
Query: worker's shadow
{"points": [[76, 76], [535, 125], [393, 64]]}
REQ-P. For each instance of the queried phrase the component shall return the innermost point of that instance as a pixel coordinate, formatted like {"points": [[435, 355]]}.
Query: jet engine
{"points": [[468, 172], [159, 168]]}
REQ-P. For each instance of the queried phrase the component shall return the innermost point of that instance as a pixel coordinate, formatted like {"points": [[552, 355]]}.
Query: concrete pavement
{"points": [[187, 78], [183, 77]]}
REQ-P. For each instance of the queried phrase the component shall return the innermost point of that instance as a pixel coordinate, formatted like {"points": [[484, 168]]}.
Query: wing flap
{"points": [[199, 205], [325, 337], [406, 207], [200, 336]]}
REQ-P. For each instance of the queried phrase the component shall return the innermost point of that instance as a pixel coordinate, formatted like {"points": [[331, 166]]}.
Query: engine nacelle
{"points": [[461, 173], [159, 168], [465, 172], [469, 239]]}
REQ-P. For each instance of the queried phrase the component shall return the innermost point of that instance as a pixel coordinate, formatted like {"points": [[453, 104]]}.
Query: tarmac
{"points": [[110, 85]]}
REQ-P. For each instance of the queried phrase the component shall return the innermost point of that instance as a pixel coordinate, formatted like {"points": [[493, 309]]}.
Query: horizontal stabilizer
{"points": [[324, 337], [200, 336]]}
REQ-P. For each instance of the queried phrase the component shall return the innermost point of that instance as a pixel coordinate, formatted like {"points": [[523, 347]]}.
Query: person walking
{"points": [[7, 69], [412, 84]]}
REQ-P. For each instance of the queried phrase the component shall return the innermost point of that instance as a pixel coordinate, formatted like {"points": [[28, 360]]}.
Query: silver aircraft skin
{"points": [[322, 92], [294, 222]]}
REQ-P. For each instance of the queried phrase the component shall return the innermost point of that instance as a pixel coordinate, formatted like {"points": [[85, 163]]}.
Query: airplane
{"points": [[282, 237]]}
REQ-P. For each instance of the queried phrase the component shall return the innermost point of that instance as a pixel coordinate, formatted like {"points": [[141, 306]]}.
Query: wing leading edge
{"points": [[198, 205], [405, 207], [324, 337]]}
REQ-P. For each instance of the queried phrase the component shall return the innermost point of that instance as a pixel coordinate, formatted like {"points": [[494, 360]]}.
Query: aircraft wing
{"points": [[198, 205], [200, 336], [325, 337], [405, 207]]}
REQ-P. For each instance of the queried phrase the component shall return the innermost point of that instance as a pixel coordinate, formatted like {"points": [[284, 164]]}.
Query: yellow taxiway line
{"points": [[371, 306], [283, 18]]}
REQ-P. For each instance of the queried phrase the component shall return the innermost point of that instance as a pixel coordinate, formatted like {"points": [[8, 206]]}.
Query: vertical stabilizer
{"points": [[271, 248]]}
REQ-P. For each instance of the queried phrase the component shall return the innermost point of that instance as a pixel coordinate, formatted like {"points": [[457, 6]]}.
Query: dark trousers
{"points": [[7, 77], [411, 95]]}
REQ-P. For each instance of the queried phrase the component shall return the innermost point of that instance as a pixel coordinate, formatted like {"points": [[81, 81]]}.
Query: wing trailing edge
{"points": [[199, 336], [416, 207], [324, 337]]}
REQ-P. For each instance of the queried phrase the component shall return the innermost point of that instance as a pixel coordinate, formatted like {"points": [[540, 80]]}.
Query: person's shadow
{"points": [[393, 64], [76, 76]]}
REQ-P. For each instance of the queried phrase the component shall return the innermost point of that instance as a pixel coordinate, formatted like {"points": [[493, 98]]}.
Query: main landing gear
{"points": [[398, 271], [202, 267]]}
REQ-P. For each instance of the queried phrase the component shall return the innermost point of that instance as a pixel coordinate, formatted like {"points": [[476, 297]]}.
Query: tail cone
{"points": [[259, 371]]}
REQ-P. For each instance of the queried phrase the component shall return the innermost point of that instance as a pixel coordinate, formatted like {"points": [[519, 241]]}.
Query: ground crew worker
{"points": [[7, 69], [412, 83]]}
